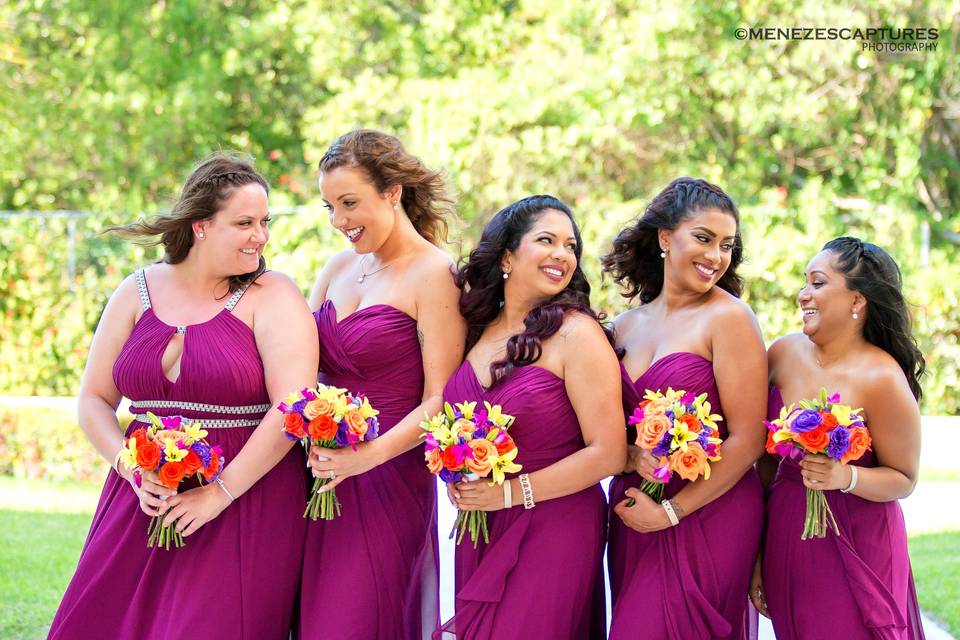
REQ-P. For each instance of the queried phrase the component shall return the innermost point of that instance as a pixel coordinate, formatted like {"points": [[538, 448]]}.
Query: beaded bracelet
{"points": [[527, 491]]}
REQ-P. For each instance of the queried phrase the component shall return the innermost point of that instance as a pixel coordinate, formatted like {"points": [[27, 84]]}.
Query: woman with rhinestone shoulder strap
{"points": [[210, 335]]}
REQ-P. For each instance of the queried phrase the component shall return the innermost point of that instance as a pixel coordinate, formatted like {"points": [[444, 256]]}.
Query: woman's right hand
{"points": [[150, 492], [643, 463], [757, 596]]}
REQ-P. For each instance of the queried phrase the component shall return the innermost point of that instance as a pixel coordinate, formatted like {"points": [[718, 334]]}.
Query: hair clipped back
{"points": [[871, 271], [635, 261], [206, 190]]}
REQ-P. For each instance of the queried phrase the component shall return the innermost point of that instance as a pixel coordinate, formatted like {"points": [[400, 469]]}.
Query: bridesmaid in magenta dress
{"points": [[206, 334], [388, 322], [679, 570], [536, 349], [856, 341]]}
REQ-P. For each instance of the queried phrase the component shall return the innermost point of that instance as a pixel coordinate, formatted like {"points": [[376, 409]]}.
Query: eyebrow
{"points": [[551, 233], [711, 233], [823, 273]]}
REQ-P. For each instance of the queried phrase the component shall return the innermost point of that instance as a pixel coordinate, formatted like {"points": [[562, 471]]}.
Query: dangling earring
{"points": [[395, 207], [856, 316], [663, 254], [506, 274]]}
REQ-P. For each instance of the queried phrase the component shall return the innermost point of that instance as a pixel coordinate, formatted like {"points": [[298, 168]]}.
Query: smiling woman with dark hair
{"points": [[535, 348], [678, 569], [857, 342]]}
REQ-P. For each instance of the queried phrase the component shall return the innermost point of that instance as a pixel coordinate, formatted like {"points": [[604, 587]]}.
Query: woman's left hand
{"points": [[645, 516], [823, 472], [478, 495], [194, 508], [339, 464]]}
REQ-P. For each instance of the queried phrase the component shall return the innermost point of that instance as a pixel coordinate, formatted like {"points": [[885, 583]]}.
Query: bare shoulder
{"points": [[881, 375], [337, 263], [786, 347], [275, 285], [629, 321], [125, 299], [432, 274], [579, 331], [729, 308]]}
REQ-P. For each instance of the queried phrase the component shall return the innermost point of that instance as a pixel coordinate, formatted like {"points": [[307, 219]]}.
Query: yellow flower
{"points": [[844, 414], [128, 456], [496, 416], [466, 408], [681, 435], [366, 410], [782, 434], [503, 465], [194, 432], [173, 453]]}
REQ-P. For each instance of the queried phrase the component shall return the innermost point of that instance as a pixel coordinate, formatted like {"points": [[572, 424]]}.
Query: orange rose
{"points": [[771, 445], [191, 463], [434, 462], [171, 473], [322, 428], [690, 463], [212, 468], [168, 435], [148, 455], [829, 421], [293, 424], [356, 424], [815, 440], [318, 407], [464, 427], [859, 444], [691, 421], [484, 452], [651, 430]]}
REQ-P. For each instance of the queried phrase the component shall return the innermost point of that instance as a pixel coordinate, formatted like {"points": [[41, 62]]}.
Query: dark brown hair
{"points": [[209, 185], [871, 271], [480, 280], [635, 261], [425, 197]]}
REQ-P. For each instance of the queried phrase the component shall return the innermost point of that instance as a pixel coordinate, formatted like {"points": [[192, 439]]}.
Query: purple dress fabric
{"points": [[541, 574], [373, 572], [232, 579], [687, 582], [862, 576]]}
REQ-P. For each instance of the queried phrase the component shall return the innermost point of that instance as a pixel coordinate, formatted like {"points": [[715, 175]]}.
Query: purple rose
{"points": [[839, 443], [806, 421]]}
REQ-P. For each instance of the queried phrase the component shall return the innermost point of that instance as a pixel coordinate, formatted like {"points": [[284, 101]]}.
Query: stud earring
{"points": [[200, 235]]}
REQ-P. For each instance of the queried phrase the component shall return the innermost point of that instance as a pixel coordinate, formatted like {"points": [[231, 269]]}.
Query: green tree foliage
{"points": [[600, 103]]}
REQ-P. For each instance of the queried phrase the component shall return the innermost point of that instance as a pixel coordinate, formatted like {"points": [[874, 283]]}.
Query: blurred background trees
{"points": [[104, 106]]}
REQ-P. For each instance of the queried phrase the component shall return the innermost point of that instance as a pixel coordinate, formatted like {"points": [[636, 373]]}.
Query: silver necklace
{"points": [[363, 276]]}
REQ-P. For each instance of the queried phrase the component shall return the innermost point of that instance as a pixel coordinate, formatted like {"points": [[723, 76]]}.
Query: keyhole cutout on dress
{"points": [[172, 356]]}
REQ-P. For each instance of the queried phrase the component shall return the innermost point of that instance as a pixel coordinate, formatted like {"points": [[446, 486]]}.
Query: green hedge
{"points": [[48, 444]]}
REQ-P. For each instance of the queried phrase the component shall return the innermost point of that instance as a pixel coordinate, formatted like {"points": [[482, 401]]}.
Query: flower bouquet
{"points": [[678, 428], [818, 426], [174, 448], [464, 442], [331, 418]]}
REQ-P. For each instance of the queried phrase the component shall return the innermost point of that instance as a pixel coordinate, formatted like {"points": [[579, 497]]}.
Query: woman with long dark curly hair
{"points": [[857, 342], [536, 348], [678, 568]]}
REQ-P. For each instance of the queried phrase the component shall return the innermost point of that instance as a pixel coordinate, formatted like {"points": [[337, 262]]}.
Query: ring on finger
{"points": [[333, 474]]}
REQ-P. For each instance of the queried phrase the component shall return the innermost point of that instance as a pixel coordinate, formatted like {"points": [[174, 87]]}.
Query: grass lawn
{"points": [[43, 525], [936, 571], [42, 528]]}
